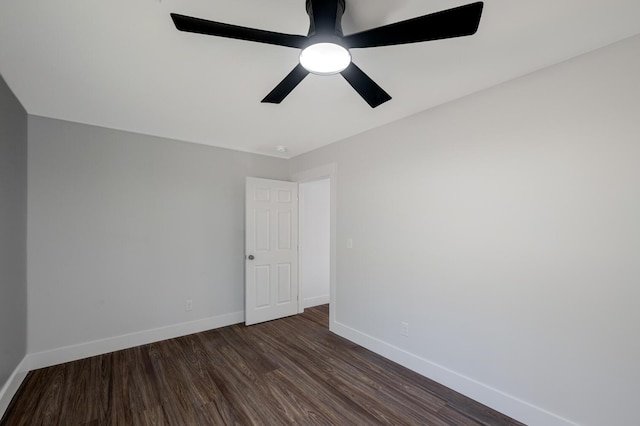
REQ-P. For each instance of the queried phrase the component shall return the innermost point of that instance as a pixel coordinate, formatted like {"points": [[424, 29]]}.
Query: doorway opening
{"points": [[314, 242], [318, 192]]}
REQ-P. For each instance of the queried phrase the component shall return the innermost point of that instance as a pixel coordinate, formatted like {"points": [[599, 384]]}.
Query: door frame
{"points": [[328, 171]]}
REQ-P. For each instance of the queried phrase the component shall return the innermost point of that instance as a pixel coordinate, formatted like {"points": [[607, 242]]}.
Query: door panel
{"points": [[284, 230], [271, 287], [284, 283], [262, 285], [262, 227]]}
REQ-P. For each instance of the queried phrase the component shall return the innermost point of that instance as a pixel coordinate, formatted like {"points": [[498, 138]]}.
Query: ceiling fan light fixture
{"points": [[325, 58]]}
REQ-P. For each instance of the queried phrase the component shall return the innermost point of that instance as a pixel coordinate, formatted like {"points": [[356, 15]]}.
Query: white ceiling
{"points": [[122, 64]]}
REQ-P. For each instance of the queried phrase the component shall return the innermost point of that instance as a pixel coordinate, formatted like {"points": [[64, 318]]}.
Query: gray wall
{"points": [[123, 228], [13, 232], [504, 228]]}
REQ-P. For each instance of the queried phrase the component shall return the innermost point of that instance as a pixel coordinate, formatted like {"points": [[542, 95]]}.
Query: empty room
{"points": [[319, 212]]}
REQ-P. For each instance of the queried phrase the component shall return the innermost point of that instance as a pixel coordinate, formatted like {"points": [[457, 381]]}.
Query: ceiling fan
{"points": [[325, 50]]}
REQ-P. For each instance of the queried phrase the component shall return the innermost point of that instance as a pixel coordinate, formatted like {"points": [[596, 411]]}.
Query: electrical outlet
{"points": [[188, 305], [349, 243], [404, 329]]}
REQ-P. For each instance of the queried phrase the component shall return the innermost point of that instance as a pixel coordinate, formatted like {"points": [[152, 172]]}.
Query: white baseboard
{"points": [[99, 347], [11, 386], [315, 301], [493, 398]]}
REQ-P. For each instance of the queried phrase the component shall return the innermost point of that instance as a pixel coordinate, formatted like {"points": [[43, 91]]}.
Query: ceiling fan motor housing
{"points": [[325, 18]]}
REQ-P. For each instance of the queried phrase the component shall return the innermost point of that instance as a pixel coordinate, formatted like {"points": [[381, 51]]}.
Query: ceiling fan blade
{"points": [[456, 22], [202, 26], [285, 87], [367, 88]]}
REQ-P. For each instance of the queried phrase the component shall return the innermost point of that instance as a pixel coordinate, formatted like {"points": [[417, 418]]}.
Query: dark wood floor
{"points": [[289, 371]]}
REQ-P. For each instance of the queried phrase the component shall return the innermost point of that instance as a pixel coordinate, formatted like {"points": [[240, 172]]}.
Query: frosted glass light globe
{"points": [[325, 58]]}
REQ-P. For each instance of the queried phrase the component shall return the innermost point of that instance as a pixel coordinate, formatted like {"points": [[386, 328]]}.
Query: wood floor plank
{"points": [[290, 371], [452, 416], [376, 381], [322, 397], [348, 379]]}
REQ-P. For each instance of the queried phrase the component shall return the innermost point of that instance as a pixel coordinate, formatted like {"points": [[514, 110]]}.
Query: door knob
{"points": [[251, 257]]}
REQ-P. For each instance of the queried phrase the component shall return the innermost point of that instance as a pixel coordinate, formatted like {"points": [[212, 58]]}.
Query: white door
{"points": [[271, 264]]}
